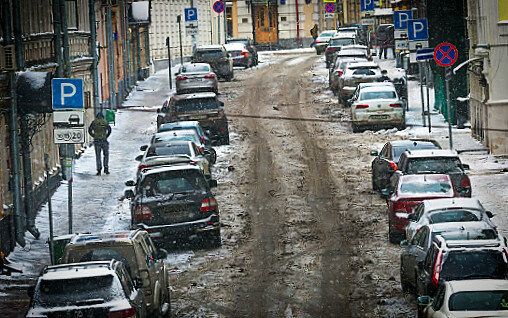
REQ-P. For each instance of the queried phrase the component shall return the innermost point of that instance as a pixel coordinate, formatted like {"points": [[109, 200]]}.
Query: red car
{"points": [[408, 193]]}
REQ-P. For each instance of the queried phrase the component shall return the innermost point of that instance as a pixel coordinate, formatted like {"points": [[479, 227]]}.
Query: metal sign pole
{"points": [[68, 165], [50, 210], [448, 107], [168, 43], [427, 73], [179, 20], [269, 26], [421, 92]]}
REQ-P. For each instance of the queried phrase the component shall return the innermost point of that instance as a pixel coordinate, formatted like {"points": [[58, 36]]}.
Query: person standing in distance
{"points": [[100, 130], [314, 34]]}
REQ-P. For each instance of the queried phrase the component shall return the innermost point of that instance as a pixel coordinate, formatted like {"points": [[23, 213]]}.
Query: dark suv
{"points": [[173, 202], [217, 57], [202, 107], [90, 289]]}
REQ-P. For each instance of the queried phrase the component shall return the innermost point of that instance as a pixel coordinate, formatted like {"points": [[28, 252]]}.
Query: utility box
{"points": [[110, 116], [59, 244]]}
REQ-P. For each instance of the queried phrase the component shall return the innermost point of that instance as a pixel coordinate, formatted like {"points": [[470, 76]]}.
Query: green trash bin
{"points": [[110, 116], [59, 244]]}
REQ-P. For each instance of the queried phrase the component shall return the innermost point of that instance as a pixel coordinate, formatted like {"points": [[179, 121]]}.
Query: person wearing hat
{"points": [[100, 130]]}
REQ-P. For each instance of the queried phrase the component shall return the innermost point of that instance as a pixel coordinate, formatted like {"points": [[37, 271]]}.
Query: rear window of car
{"points": [[490, 300], [434, 165], [169, 151], [474, 264], [194, 104], [484, 234], [341, 42], [193, 68], [459, 215], [364, 71], [209, 54], [399, 150], [439, 187], [175, 135], [378, 95], [172, 182], [332, 33], [62, 292]]}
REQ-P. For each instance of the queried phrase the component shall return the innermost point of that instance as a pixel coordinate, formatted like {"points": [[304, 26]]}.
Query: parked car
{"points": [[177, 135], [322, 40], [356, 73], [467, 298], [409, 192], [376, 106], [358, 47], [88, 289], [361, 29], [174, 152], [415, 254], [196, 77], [217, 57], [385, 161], [240, 54], [435, 161], [338, 70], [175, 202], [335, 44], [249, 45], [135, 249], [202, 107], [447, 210]]}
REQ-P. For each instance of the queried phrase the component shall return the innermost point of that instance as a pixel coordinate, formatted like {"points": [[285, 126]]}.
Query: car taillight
{"points": [[244, 53], [208, 205], [331, 49], [338, 73], [362, 106], [396, 105], [393, 165], [317, 41], [181, 78], [141, 167], [143, 213], [202, 139], [465, 182], [506, 254], [125, 313], [437, 268], [210, 76], [399, 207]]}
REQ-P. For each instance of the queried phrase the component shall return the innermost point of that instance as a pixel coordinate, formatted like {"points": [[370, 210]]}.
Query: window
{"points": [[283, 19], [71, 7], [503, 10], [245, 20]]}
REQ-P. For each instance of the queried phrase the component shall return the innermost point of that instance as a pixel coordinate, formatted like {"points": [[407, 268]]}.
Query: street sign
{"points": [[368, 21], [67, 93], [191, 14], [191, 27], [425, 54], [330, 7], [445, 54], [416, 45], [218, 6], [400, 34], [72, 118], [367, 5], [400, 19], [401, 45], [417, 29], [329, 1], [329, 15], [69, 135]]}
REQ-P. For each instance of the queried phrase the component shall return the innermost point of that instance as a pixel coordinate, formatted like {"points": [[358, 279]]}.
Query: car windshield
{"points": [[378, 95], [431, 187], [66, 292], [195, 68], [434, 165], [168, 182], [489, 300], [459, 215], [399, 150], [341, 42], [364, 71], [209, 54], [194, 104], [173, 136], [474, 264], [169, 151]]}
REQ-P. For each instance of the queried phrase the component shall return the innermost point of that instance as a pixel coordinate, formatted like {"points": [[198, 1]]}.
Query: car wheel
{"points": [[356, 129], [394, 238], [225, 139], [401, 127], [403, 283], [213, 156]]}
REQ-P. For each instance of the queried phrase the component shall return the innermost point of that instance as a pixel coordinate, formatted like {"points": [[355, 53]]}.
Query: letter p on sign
{"points": [[67, 93], [417, 30]]}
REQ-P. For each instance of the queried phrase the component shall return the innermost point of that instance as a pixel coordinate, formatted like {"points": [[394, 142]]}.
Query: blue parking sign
{"points": [[417, 30], [367, 5], [400, 19], [191, 14], [67, 93]]}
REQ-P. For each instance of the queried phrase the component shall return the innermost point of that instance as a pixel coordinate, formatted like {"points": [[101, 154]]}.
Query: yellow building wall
{"points": [[234, 16]]}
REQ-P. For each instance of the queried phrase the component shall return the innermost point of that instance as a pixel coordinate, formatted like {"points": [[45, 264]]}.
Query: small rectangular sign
{"points": [[416, 45], [329, 15], [191, 27], [417, 29], [69, 135], [401, 45], [191, 14], [425, 54], [69, 118], [368, 21], [67, 93], [329, 1], [400, 18], [412, 57], [400, 34]]}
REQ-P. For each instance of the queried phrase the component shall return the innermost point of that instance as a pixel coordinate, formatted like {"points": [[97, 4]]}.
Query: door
{"points": [[265, 23]]}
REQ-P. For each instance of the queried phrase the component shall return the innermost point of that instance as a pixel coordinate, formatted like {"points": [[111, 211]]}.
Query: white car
{"points": [[447, 210], [356, 73], [467, 298], [323, 39], [377, 105]]}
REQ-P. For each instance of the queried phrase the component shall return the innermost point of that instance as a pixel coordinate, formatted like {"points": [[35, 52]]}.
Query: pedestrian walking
{"points": [[100, 130], [314, 34]]}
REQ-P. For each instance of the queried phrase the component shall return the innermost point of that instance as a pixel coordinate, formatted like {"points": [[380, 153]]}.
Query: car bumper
{"points": [[369, 118], [347, 91], [241, 61], [201, 86], [181, 230], [321, 46]]}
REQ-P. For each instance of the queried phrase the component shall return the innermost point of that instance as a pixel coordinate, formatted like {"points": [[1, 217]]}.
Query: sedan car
{"points": [[409, 193], [240, 54], [335, 45], [385, 163], [250, 47], [357, 47], [322, 40], [377, 106], [196, 77], [338, 70], [356, 73]]}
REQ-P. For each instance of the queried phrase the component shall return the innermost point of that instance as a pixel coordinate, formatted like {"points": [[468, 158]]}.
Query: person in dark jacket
{"points": [[100, 130], [314, 34], [384, 76]]}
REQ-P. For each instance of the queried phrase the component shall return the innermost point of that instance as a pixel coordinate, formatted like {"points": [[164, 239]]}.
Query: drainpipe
{"points": [[124, 37], [127, 44], [57, 26], [93, 48], [147, 46], [297, 24], [111, 61], [138, 53], [65, 38]]}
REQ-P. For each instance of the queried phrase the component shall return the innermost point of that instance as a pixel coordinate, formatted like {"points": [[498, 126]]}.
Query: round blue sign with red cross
{"points": [[218, 6], [330, 7], [445, 54]]}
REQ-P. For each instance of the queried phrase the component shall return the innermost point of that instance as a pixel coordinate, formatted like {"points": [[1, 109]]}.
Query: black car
{"points": [[385, 163], [202, 107], [175, 202], [250, 47], [218, 58], [88, 289]]}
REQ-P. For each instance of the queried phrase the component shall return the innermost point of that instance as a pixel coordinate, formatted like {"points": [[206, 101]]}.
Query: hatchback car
{"points": [[196, 77], [377, 106], [338, 70], [356, 73], [335, 45], [467, 299], [447, 210], [240, 54], [218, 58], [322, 40], [249, 45], [385, 161], [409, 193], [88, 289]]}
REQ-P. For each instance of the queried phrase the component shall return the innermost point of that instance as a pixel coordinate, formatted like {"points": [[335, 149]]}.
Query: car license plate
{"points": [[379, 116]]}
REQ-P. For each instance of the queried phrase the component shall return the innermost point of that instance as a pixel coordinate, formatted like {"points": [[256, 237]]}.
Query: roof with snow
{"points": [[476, 285], [432, 153], [77, 270], [455, 203]]}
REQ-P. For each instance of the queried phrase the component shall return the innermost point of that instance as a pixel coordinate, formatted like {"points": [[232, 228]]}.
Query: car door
{"points": [[135, 296], [411, 257], [425, 271]]}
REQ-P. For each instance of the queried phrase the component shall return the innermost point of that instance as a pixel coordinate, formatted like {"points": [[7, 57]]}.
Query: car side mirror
{"points": [[143, 148], [30, 291], [221, 103], [465, 166], [162, 253], [404, 243], [489, 214], [129, 194], [212, 183], [424, 301], [374, 153], [385, 192], [130, 183], [139, 158], [412, 217]]}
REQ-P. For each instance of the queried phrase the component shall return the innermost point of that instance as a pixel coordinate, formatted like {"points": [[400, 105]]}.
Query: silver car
{"points": [[196, 77]]}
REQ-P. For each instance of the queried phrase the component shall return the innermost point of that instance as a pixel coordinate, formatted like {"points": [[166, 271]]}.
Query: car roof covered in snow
{"points": [[354, 47], [459, 226], [353, 65], [476, 285], [236, 46], [351, 53], [170, 143], [422, 178], [431, 153], [180, 124], [194, 95], [380, 88], [455, 203], [375, 84], [209, 47], [77, 270], [85, 238], [344, 35]]}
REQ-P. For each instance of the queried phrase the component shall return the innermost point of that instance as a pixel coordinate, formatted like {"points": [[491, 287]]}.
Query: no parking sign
{"points": [[445, 54]]}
